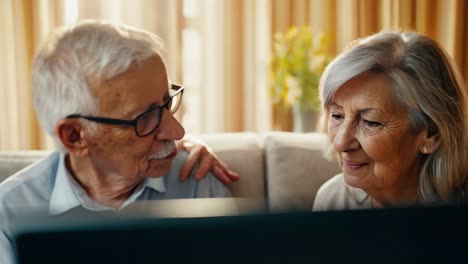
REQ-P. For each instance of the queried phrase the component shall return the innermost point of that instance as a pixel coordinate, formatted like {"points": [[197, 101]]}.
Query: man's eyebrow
{"points": [[138, 112]]}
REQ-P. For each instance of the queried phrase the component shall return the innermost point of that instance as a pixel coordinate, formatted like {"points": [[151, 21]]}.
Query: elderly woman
{"points": [[395, 109]]}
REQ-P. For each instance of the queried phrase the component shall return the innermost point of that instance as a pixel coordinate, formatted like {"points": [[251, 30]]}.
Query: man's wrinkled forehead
{"points": [[143, 84], [130, 72]]}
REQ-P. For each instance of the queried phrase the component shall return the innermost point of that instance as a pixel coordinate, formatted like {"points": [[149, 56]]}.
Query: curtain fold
{"points": [[233, 41], [22, 27]]}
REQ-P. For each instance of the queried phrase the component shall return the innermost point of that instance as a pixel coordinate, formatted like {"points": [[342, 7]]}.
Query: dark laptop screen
{"points": [[417, 235]]}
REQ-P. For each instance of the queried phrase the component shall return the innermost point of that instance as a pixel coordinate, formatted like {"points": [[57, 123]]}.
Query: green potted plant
{"points": [[297, 62]]}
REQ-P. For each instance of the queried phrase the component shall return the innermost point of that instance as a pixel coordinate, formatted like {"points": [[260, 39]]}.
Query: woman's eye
{"points": [[336, 116], [372, 123]]}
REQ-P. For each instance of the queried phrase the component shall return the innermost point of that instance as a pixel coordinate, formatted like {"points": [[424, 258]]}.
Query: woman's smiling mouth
{"points": [[353, 165]]}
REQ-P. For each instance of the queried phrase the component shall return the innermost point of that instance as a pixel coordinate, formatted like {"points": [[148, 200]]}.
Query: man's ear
{"points": [[70, 133], [431, 140]]}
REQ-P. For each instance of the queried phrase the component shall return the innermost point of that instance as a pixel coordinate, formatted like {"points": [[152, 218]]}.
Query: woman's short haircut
{"points": [[73, 56], [427, 82]]}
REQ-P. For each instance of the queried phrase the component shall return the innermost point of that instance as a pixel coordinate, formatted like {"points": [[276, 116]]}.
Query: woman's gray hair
{"points": [[428, 83], [72, 57]]}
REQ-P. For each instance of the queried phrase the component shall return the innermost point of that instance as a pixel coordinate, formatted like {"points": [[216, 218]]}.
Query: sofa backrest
{"points": [[243, 153], [295, 169], [284, 168], [13, 161]]}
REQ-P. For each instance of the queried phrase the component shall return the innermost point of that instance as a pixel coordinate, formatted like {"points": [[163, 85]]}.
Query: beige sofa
{"points": [[284, 168]]}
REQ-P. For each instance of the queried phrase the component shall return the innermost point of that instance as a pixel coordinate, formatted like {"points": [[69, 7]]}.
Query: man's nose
{"points": [[170, 128], [345, 138]]}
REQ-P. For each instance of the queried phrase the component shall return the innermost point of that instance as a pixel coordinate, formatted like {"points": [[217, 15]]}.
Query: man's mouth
{"points": [[168, 151], [171, 155]]}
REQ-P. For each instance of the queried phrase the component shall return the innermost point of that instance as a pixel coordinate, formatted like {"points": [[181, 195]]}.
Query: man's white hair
{"points": [[72, 56]]}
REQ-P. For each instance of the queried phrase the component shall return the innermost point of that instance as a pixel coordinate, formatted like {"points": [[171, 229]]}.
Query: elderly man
{"points": [[102, 92]]}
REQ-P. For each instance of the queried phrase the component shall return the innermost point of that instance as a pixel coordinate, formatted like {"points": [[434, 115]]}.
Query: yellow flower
{"points": [[320, 42], [298, 60], [317, 63], [293, 90], [292, 33]]}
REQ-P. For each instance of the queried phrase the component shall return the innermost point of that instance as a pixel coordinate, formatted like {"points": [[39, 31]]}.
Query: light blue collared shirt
{"points": [[48, 188]]}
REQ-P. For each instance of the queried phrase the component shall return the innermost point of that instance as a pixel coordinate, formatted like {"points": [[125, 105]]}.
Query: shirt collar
{"points": [[156, 184], [68, 194], [63, 196], [359, 196]]}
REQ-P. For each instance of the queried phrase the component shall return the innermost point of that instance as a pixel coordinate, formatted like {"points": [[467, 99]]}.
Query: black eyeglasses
{"points": [[148, 121]]}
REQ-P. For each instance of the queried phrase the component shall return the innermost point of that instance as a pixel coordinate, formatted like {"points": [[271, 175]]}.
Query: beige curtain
{"points": [[238, 49], [23, 24], [346, 20], [235, 35], [230, 95]]}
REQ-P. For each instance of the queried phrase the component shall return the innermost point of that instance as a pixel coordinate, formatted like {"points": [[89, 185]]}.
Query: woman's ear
{"points": [[70, 133], [431, 140]]}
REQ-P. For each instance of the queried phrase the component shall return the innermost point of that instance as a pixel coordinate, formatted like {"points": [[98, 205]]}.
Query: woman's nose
{"points": [[345, 138]]}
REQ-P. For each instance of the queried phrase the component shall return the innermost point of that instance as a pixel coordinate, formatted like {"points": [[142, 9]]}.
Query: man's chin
{"points": [[154, 176], [158, 169]]}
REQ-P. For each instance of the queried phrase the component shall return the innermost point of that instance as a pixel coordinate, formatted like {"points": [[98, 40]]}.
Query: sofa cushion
{"points": [[295, 169], [242, 153]]}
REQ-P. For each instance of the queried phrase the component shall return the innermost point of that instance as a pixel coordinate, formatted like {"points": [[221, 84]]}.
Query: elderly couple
{"points": [[394, 105]]}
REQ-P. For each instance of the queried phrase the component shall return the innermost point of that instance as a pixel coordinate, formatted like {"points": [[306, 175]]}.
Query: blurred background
{"points": [[245, 63]]}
